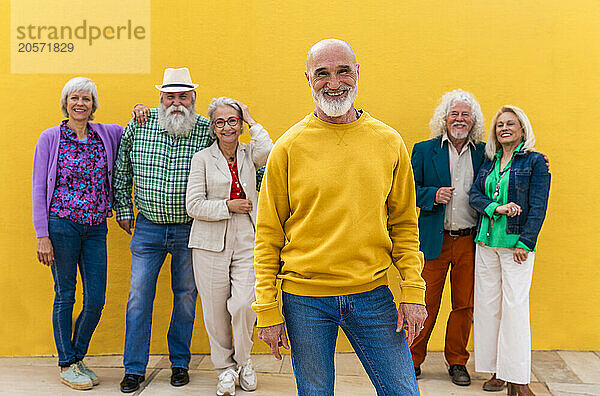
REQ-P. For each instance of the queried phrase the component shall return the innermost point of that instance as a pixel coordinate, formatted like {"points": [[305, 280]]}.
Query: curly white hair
{"points": [[437, 124]]}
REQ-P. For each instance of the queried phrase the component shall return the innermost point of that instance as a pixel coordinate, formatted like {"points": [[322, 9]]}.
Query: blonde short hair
{"points": [[492, 144]]}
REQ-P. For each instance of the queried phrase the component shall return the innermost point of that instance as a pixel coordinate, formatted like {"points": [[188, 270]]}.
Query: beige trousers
{"points": [[502, 334], [225, 282]]}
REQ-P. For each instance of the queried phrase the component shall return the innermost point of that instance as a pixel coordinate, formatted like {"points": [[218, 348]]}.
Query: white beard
{"points": [[335, 107], [458, 135], [177, 124]]}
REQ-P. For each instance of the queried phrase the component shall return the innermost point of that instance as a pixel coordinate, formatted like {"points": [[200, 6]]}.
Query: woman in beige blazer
{"points": [[221, 198]]}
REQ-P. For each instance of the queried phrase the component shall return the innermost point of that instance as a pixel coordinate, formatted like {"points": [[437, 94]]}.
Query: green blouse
{"points": [[492, 231]]}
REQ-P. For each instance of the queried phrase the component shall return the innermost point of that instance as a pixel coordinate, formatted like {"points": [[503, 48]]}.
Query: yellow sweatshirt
{"points": [[336, 209]]}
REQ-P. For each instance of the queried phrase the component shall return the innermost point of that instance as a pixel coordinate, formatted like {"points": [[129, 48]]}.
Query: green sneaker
{"points": [[75, 379], [87, 371]]}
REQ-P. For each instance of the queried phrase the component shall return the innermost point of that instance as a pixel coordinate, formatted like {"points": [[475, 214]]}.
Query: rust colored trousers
{"points": [[458, 254]]}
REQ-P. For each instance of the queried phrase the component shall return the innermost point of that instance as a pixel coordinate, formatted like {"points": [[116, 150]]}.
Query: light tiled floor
{"points": [[555, 373]]}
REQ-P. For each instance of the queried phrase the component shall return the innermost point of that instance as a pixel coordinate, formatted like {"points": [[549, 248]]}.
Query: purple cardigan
{"points": [[44, 169]]}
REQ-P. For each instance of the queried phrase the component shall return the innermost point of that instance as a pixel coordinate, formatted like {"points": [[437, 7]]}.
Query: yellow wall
{"points": [[540, 55]]}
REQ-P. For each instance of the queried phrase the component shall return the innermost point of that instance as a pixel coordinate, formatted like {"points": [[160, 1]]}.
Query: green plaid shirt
{"points": [[160, 164]]}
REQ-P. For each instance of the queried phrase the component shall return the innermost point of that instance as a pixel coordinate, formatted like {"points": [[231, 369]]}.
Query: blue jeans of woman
{"points": [[84, 246], [369, 321]]}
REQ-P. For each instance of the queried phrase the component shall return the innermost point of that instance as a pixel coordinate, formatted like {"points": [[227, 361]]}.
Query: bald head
{"points": [[328, 46], [332, 73]]}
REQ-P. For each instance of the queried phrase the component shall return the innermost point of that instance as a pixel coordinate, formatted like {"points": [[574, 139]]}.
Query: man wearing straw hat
{"points": [[157, 156]]}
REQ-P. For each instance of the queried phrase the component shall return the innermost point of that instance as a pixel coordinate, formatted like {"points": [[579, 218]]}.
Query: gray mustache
{"points": [[343, 87]]}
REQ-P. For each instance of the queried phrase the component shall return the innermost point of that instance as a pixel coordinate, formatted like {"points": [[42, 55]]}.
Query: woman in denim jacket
{"points": [[511, 194]]}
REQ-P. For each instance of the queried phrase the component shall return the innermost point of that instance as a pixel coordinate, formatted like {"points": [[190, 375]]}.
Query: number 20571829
{"points": [[46, 47]]}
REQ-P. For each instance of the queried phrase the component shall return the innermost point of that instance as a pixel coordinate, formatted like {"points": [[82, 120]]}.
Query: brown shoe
{"points": [[493, 384], [519, 390]]}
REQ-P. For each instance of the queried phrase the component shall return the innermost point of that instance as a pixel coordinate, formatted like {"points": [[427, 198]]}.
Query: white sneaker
{"points": [[247, 377], [226, 384]]}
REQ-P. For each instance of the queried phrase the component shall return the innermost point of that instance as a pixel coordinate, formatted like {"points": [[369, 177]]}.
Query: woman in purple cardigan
{"points": [[72, 197]]}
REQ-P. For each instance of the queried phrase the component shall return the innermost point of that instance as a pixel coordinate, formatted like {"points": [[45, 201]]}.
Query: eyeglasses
{"points": [[231, 121]]}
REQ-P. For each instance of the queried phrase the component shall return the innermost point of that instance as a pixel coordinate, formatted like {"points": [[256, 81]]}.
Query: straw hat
{"points": [[177, 80]]}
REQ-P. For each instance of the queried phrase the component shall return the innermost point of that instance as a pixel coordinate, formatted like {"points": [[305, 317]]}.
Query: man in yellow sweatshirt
{"points": [[336, 210]]}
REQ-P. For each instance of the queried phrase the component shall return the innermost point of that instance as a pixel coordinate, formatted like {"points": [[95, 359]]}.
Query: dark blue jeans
{"points": [[369, 321], [76, 245], [149, 247]]}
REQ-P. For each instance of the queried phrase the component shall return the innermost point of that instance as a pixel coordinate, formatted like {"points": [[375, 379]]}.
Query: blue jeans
{"points": [[369, 321], [149, 247], [76, 245]]}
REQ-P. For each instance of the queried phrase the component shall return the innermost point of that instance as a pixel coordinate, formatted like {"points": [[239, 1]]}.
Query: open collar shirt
{"points": [[492, 231], [159, 164], [459, 214]]}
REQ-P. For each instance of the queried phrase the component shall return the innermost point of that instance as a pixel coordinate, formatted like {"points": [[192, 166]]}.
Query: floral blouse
{"points": [[81, 192]]}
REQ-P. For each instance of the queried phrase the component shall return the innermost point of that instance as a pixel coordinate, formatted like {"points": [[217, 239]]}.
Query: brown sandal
{"points": [[493, 384], [519, 390]]}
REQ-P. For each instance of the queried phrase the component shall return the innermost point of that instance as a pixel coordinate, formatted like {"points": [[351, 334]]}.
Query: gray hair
{"points": [[492, 144], [212, 106], [79, 84], [437, 124]]}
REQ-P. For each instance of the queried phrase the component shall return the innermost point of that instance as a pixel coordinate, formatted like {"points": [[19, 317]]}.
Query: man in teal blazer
{"points": [[444, 168]]}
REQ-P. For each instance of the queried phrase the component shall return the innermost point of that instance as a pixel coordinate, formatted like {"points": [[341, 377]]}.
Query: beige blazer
{"points": [[209, 186]]}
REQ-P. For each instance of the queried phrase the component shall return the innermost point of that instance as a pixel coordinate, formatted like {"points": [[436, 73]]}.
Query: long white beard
{"points": [[177, 124], [334, 107]]}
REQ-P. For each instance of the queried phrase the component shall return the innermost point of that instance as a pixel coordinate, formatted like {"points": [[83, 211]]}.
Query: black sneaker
{"points": [[131, 383], [459, 374]]}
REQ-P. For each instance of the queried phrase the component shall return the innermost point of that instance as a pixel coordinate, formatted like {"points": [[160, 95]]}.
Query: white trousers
{"points": [[225, 282], [502, 333]]}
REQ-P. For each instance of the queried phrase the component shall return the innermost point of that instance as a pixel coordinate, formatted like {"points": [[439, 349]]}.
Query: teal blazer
{"points": [[431, 168]]}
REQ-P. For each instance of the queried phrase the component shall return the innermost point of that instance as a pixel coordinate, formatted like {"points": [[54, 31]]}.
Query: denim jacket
{"points": [[528, 187]]}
